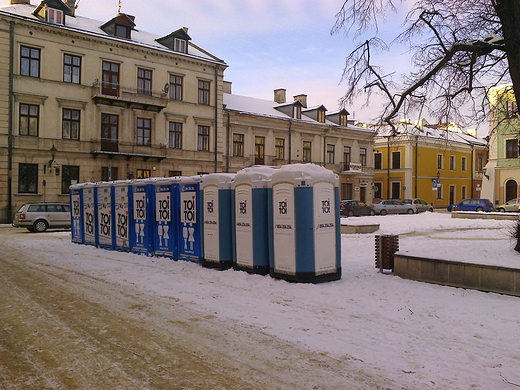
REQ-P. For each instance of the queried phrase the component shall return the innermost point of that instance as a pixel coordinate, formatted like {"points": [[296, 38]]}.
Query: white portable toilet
{"points": [[305, 227], [122, 214], [251, 210], [217, 206]]}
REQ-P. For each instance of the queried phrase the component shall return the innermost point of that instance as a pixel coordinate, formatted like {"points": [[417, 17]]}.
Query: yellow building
{"points": [[439, 166]]}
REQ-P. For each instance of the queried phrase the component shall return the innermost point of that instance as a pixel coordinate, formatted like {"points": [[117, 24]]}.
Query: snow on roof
{"points": [[429, 132], [93, 27]]}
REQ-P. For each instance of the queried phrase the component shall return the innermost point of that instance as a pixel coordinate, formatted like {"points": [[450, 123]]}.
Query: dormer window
{"points": [[121, 26], [321, 116], [297, 111], [122, 31], [342, 120], [55, 16], [180, 45]]}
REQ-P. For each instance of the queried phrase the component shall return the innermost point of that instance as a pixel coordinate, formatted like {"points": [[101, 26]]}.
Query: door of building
{"points": [[511, 190]]}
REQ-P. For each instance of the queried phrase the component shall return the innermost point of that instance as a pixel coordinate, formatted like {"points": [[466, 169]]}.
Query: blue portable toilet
{"points": [[187, 216], [304, 224], [76, 213], [217, 216], [105, 215], [121, 197], [141, 238], [164, 230], [251, 209], [89, 213]]}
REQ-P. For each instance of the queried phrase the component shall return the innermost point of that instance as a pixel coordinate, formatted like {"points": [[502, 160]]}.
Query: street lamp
{"points": [[53, 155]]}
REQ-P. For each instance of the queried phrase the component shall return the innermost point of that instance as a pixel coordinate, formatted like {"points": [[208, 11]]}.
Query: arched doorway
{"points": [[511, 190]]}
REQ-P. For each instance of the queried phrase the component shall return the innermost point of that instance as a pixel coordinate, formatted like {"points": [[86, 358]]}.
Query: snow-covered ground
{"points": [[421, 336]]}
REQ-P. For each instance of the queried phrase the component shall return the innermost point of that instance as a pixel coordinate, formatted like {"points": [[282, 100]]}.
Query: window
{"points": [[122, 31], [330, 153], [297, 112], [109, 173], [452, 163], [144, 131], [342, 120], [110, 77], [109, 132], [307, 151], [180, 45], [203, 138], [511, 109], [279, 148], [463, 192], [176, 87], [174, 173], [28, 178], [143, 173], [69, 176], [175, 135], [238, 145], [29, 119], [396, 160], [463, 163], [378, 160], [259, 150], [396, 190], [321, 116], [512, 148], [29, 61], [346, 158], [440, 164], [480, 163], [55, 16], [71, 69], [363, 156], [439, 191], [144, 81], [204, 92], [70, 124], [378, 190]]}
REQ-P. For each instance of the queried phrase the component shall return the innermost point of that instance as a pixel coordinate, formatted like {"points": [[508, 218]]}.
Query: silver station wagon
{"points": [[38, 217]]}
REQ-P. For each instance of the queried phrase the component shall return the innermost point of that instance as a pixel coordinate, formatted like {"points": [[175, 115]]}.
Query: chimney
{"points": [[71, 4], [14, 2], [302, 99], [279, 96]]}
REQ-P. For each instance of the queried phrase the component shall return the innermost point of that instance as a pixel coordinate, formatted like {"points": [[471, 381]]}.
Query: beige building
{"points": [[282, 132], [84, 100]]}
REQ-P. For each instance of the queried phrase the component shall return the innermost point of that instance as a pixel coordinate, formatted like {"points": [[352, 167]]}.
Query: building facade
{"points": [[439, 166], [282, 132], [502, 172], [84, 100]]}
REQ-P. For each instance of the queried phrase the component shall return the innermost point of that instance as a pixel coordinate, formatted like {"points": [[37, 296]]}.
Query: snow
{"points": [[419, 335]]}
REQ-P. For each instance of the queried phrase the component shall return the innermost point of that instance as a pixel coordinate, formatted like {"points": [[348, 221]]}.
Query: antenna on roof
{"points": [[119, 6]]}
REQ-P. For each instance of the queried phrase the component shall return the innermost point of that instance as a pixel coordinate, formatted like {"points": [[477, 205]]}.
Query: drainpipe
{"points": [[388, 168], [416, 164], [228, 133], [290, 141], [473, 172], [10, 137], [215, 143]]}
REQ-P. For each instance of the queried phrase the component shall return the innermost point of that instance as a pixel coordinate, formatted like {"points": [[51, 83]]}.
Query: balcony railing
{"points": [[109, 93]]}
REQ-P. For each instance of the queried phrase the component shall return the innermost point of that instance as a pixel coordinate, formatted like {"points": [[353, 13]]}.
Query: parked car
{"points": [[350, 208], [38, 217], [420, 204], [510, 205], [393, 207], [472, 205]]}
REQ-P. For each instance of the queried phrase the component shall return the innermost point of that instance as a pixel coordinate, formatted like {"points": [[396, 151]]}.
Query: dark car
{"points": [[420, 204], [350, 208], [472, 205]]}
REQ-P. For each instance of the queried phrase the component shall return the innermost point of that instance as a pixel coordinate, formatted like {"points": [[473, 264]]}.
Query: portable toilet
{"points": [[251, 233], [121, 196], [164, 227], [304, 224], [217, 220], [187, 216], [76, 213], [105, 215], [141, 222], [89, 199]]}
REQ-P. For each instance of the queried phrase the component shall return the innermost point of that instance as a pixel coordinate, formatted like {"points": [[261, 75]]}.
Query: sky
{"points": [[268, 44]]}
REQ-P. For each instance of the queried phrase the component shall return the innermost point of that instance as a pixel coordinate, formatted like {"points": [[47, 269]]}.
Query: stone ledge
{"points": [[487, 278], [353, 229], [482, 215]]}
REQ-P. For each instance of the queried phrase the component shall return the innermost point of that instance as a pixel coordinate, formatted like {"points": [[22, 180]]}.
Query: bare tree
{"points": [[459, 49]]}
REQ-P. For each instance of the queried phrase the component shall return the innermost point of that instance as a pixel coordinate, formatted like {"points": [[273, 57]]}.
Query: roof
{"points": [[266, 108], [92, 27], [431, 133]]}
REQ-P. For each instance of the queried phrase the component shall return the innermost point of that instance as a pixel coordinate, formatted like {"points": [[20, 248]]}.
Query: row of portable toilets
{"points": [[279, 221]]}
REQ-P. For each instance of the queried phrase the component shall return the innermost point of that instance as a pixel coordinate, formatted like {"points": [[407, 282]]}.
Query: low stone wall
{"points": [[481, 215], [352, 229], [452, 273]]}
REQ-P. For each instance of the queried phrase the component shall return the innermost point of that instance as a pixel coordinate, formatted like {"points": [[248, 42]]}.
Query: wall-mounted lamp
{"points": [[53, 155]]}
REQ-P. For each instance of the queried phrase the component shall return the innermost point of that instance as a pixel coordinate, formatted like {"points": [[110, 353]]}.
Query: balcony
{"points": [[129, 97], [114, 148]]}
